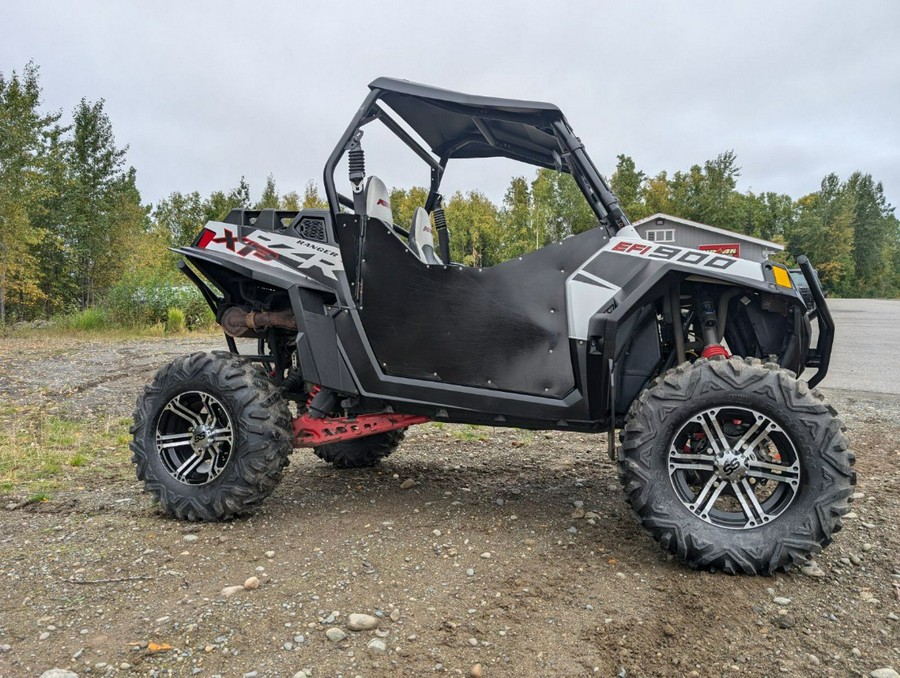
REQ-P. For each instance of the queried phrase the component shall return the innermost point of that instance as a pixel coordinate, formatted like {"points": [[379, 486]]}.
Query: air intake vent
{"points": [[312, 229]]}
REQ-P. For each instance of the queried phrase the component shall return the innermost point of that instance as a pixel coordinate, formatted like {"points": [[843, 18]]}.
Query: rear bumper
{"points": [[820, 355]]}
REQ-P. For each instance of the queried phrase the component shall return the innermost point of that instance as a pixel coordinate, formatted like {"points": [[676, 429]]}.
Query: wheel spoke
{"points": [[714, 438], [749, 503], [177, 443], [760, 421], [703, 510], [691, 466], [210, 413], [174, 436], [176, 407], [783, 474], [187, 467]]}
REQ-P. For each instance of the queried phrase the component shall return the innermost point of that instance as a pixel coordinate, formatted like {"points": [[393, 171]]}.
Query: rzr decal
{"points": [[278, 250]]}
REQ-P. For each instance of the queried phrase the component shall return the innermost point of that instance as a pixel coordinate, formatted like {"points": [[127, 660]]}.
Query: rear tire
{"points": [[361, 452], [211, 437], [751, 505]]}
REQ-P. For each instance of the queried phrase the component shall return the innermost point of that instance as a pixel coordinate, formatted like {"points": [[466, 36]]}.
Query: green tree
{"points": [[517, 231], [269, 198], [824, 232], [311, 197], [29, 140], [627, 183], [98, 183], [404, 203], [874, 236], [658, 195], [181, 216], [474, 232], [559, 209]]}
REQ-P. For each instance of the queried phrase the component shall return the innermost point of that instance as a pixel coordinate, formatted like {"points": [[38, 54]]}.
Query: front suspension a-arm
{"points": [[310, 432]]}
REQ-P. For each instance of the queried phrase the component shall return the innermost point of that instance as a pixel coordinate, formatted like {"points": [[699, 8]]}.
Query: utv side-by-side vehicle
{"points": [[365, 327]]}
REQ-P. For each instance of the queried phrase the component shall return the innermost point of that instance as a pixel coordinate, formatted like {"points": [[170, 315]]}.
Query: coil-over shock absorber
{"points": [[356, 163], [440, 223]]}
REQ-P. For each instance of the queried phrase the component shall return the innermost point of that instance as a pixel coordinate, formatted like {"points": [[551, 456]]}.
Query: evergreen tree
{"points": [[98, 182], [311, 197], [269, 198], [28, 139]]}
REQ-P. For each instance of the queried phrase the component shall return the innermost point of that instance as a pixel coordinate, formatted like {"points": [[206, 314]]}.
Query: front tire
{"points": [[211, 437], [736, 466]]}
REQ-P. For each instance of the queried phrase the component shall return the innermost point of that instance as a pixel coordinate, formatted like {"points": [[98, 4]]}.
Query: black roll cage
{"points": [[571, 157]]}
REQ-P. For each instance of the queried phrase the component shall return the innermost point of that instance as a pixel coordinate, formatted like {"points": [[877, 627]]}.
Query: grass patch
{"points": [[40, 452], [175, 321], [88, 320], [472, 432]]}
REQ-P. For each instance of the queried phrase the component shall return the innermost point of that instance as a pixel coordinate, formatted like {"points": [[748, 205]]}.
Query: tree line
{"points": [[74, 229]]}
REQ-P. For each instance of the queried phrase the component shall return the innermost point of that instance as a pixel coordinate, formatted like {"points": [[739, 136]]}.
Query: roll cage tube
{"points": [[602, 200]]}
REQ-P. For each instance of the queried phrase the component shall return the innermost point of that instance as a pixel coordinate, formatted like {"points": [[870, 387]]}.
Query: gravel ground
{"points": [[513, 554]]}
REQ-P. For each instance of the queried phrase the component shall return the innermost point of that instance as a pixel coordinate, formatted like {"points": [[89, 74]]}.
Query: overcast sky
{"points": [[204, 92]]}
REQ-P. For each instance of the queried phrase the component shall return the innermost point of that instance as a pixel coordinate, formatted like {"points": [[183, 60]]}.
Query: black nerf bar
{"points": [[819, 356]]}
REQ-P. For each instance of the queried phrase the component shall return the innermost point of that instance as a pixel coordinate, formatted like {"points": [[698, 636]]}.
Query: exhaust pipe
{"points": [[239, 323]]}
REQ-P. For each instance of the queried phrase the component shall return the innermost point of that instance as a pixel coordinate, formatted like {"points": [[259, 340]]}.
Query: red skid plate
{"points": [[309, 432]]}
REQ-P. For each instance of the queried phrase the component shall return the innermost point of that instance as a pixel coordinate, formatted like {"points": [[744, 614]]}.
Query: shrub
{"points": [[174, 321], [87, 320], [145, 299]]}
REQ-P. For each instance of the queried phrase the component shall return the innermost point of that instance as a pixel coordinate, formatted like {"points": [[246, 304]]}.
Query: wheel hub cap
{"points": [[731, 466]]}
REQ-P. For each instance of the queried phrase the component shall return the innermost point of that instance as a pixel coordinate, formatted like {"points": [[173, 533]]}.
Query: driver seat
{"points": [[378, 201], [421, 238]]}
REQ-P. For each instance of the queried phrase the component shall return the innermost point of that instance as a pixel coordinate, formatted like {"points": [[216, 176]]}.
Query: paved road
{"points": [[866, 354]]}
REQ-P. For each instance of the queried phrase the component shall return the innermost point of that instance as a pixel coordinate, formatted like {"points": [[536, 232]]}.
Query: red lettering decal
{"points": [[641, 249], [620, 247]]}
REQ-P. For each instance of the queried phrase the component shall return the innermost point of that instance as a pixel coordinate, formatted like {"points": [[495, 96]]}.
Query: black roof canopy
{"points": [[457, 125]]}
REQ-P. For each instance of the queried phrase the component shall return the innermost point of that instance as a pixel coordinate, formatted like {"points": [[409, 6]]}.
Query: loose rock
{"points": [[191, 537], [408, 484], [251, 583], [58, 673], [229, 591], [362, 622], [395, 614], [785, 621], [886, 672], [376, 645], [812, 569], [476, 671], [784, 602], [335, 635]]}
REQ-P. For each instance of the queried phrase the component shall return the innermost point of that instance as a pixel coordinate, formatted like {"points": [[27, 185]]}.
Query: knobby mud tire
{"points": [[826, 478], [361, 452], [262, 437]]}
